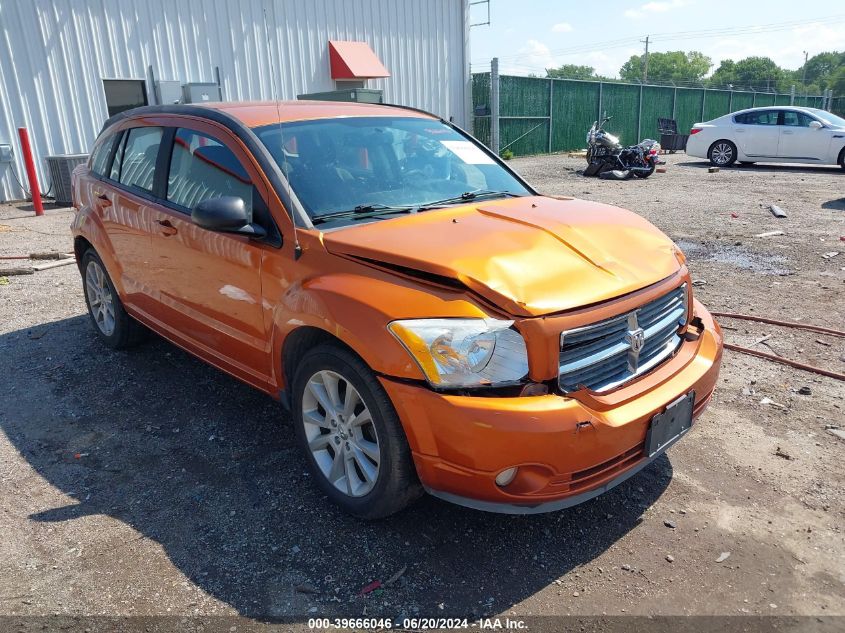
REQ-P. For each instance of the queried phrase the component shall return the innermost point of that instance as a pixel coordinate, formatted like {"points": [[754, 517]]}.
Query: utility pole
{"points": [[804, 77], [494, 105], [645, 59]]}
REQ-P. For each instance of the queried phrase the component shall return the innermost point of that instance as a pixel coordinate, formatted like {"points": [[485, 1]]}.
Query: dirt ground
{"points": [[146, 483]]}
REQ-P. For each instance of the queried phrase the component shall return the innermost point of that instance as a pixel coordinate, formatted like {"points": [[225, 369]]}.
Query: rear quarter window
{"points": [[101, 154]]}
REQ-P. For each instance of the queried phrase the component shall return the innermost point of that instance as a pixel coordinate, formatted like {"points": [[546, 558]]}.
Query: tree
{"points": [[671, 67], [571, 71], [759, 73], [820, 69], [837, 81]]}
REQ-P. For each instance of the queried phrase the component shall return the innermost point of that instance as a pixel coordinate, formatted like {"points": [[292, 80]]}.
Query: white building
{"points": [[66, 64]]}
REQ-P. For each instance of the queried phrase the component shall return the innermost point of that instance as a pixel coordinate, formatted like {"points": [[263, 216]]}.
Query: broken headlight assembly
{"points": [[454, 353]]}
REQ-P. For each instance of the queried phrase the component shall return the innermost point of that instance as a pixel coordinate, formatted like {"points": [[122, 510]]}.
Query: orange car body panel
{"points": [[548, 264]]}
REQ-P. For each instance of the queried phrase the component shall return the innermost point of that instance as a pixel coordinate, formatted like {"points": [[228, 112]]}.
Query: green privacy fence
{"points": [[550, 115]]}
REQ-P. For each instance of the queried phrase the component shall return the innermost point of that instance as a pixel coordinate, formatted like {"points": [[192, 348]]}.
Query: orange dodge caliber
{"points": [[431, 321]]}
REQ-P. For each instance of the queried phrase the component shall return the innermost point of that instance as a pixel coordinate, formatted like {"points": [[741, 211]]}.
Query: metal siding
{"points": [[55, 53]]}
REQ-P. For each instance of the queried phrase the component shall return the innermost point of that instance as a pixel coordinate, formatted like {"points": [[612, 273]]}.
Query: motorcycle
{"points": [[607, 158]]}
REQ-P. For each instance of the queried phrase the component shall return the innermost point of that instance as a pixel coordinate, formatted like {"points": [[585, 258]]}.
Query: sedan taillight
{"points": [[695, 130]]}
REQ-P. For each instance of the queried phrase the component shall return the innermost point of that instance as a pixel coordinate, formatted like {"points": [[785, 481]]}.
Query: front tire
{"points": [[114, 326], [350, 433], [722, 153], [842, 158]]}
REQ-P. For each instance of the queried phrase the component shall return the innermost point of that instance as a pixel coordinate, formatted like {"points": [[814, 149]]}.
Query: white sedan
{"points": [[783, 134]]}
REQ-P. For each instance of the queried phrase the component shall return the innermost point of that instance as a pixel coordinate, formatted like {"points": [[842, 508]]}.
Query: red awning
{"points": [[354, 60]]}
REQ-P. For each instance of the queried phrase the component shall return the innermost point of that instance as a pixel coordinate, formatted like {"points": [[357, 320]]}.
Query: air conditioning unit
{"points": [[358, 95], [60, 168]]}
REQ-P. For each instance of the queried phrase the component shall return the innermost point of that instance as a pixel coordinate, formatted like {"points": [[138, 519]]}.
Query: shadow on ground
{"points": [[207, 467], [772, 168], [836, 204]]}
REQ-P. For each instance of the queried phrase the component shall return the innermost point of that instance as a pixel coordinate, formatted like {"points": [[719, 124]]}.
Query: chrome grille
{"points": [[604, 355]]}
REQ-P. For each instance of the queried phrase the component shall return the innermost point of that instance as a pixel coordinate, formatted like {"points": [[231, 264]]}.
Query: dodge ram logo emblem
{"points": [[635, 338]]}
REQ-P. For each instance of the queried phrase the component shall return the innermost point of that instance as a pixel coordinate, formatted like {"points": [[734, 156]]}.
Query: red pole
{"points": [[30, 171]]}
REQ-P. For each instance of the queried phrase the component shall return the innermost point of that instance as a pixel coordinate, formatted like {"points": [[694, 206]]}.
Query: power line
{"points": [[678, 35]]}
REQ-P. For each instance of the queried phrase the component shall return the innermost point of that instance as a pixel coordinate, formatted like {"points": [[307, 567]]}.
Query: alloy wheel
{"points": [[722, 154], [341, 433], [100, 298]]}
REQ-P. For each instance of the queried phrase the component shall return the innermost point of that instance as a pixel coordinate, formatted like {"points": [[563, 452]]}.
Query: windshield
{"points": [[827, 117], [336, 165]]}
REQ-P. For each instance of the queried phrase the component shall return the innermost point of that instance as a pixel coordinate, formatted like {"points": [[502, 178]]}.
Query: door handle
{"points": [[787, 132], [739, 131], [166, 227]]}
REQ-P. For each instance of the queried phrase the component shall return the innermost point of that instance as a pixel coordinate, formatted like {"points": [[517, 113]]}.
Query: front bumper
{"points": [[568, 448]]}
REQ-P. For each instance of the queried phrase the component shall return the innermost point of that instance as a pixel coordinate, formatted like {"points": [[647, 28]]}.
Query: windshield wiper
{"points": [[466, 196], [363, 211]]}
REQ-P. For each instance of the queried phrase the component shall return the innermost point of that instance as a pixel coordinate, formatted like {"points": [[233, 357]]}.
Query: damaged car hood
{"points": [[530, 256]]}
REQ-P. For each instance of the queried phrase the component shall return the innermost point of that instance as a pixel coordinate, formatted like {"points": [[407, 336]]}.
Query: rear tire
{"points": [[350, 433], [113, 325], [722, 153], [646, 174]]}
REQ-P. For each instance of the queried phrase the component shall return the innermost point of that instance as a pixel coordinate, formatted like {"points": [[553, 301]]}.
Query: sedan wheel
{"points": [[341, 434], [100, 298], [723, 153]]}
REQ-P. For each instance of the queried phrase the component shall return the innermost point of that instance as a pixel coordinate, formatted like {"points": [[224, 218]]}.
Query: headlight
{"points": [[464, 352]]}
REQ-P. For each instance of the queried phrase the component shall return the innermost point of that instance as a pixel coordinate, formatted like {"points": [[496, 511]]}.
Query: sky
{"points": [[529, 36]]}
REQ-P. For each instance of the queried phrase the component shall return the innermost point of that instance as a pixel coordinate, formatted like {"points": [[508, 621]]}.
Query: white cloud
{"points": [[660, 6], [562, 27], [786, 49], [535, 57]]}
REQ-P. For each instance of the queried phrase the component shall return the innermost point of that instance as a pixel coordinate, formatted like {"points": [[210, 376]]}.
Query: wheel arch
{"points": [[296, 344]]}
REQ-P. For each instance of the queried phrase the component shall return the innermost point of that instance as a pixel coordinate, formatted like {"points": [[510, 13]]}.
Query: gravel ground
{"points": [[147, 483]]}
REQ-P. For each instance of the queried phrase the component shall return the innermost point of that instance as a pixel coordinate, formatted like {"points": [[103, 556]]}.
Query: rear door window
{"points": [[202, 168], [139, 157], [762, 117]]}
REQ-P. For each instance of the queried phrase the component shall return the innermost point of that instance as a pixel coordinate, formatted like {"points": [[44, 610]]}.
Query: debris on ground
{"points": [[805, 391], [784, 454], [6, 272], [837, 432], [306, 588], [712, 170], [395, 576], [670, 558], [769, 234], [734, 215], [777, 211], [367, 589], [4, 281], [769, 401], [762, 340], [830, 254], [669, 524], [699, 282], [723, 557]]}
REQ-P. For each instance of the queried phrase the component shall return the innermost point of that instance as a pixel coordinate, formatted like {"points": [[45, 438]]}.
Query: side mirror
{"points": [[815, 125], [226, 214]]}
